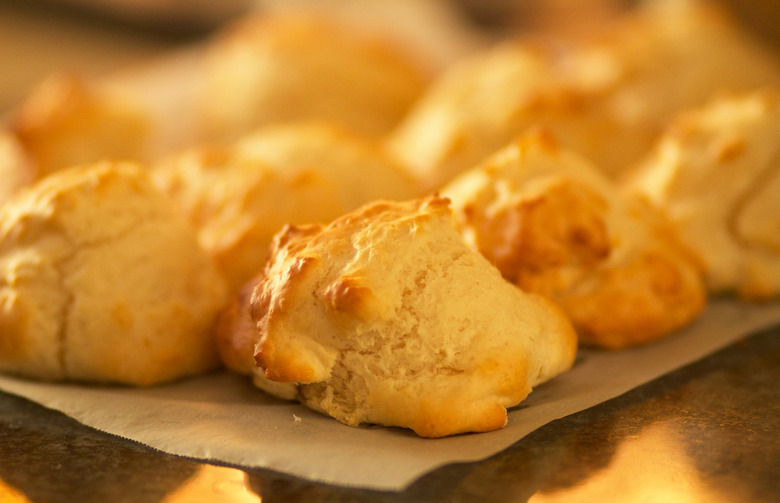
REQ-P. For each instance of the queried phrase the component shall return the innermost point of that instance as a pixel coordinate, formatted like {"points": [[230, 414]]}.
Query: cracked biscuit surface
{"points": [[717, 173], [102, 281], [386, 316], [554, 225]]}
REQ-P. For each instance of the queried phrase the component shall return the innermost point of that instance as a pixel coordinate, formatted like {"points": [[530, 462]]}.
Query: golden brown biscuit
{"points": [[288, 67], [717, 174], [386, 316], [67, 120], [102, 280], [237, 337], [236, 332], [239, 196], [606, 97], [556, 226]]}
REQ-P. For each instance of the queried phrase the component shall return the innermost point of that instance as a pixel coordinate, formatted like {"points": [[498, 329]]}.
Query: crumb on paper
{"points": [[296, 418]]}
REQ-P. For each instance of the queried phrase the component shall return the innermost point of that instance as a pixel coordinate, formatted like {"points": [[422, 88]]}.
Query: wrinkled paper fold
{"points": [[220, 417]]}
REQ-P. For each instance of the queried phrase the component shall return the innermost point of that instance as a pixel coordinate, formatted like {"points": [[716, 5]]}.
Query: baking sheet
{"points": [[220, 417]]}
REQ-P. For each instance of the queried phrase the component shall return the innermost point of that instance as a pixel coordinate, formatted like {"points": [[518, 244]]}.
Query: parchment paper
{"points": [[221, 417]]}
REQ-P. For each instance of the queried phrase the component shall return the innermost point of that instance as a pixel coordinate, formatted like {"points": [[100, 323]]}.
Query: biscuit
{"points": [[237, 336], [678, 55], [717, 174], [236, 332], [386, 316], [606, 97], [101, 280], [239, 195], [66, 121], [480, 103], [265, 69], [554, 225]]}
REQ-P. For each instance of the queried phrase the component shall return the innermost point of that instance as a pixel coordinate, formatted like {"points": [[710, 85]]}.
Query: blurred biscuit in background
{"points": [[270, 68], [240, 194], [716, 172], [607, 95], [16, 168], [67, 120]]}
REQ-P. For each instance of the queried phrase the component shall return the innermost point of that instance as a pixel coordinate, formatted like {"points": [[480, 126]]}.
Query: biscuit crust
{"points": [[101, 280]]}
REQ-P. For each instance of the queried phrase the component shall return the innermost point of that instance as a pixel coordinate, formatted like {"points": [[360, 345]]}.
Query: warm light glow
{"points": [[214, 484], [651, 467], [9, 494]]}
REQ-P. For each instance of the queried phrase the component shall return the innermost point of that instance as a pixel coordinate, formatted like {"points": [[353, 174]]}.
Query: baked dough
{"points": [[236, 332], [386, 316], [237, 336], [16, 168], [101, 280], [554, 225], [239, 195], [717, 174], [271, 68], [675, 55], [67, 120], [606, 97], [479, 104]]}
